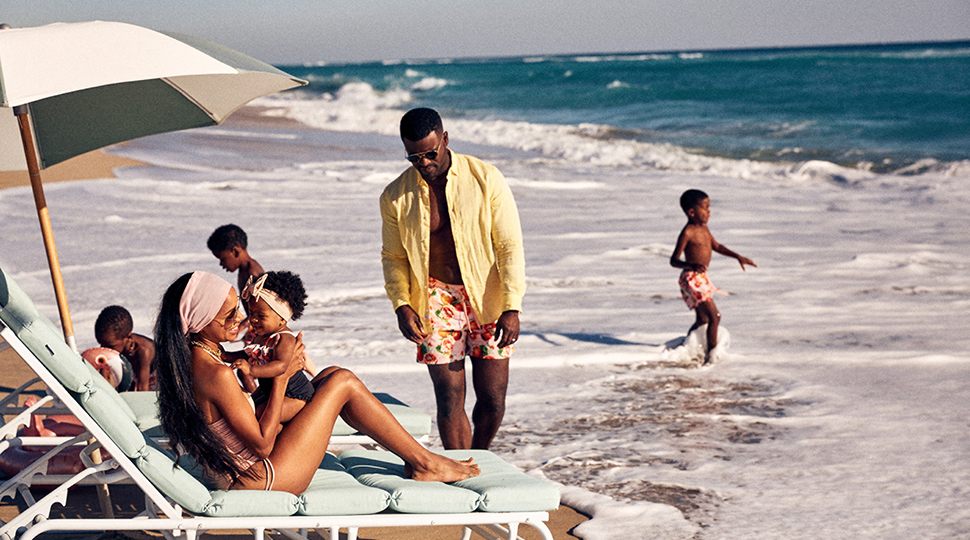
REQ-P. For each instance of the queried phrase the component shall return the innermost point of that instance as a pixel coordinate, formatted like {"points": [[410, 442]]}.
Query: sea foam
{"points": [[358, 107]]}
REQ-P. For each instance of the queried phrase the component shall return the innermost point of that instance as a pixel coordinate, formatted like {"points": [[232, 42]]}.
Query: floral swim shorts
{"points": [[696, 288], [455, 330]]}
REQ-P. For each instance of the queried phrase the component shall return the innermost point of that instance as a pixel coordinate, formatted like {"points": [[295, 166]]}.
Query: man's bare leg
{"points": [[449, 392], [490, 379]]}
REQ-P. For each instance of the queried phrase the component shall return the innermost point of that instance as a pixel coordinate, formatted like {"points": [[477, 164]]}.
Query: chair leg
{"points": [[494, 531]]}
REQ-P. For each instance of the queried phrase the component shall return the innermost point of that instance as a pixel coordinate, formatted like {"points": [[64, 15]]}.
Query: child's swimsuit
{"points": [[298, 387], [696, 288]]}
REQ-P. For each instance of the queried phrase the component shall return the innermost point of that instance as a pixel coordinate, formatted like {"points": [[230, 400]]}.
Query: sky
{"points": [[306, 31]]}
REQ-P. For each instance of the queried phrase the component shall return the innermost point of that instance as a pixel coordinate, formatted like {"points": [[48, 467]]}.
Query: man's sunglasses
{"points": [[430, 154]]}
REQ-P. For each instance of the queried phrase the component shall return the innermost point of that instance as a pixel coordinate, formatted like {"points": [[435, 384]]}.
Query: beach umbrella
{"points": [[66, 89]]}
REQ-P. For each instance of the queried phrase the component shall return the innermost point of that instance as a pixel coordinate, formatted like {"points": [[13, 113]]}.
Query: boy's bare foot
{"points": [[444, 469], [713, 356]]}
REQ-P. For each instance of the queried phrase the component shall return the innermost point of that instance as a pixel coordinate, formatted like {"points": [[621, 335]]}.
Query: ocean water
{"points": [[840, 408], [890, 108]]}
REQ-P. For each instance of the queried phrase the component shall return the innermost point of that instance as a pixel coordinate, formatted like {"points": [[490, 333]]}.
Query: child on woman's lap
{"points": [[272, 300]]}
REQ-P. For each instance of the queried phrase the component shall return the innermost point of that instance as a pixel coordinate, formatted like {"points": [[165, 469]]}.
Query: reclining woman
{"points": [[206, 413]]}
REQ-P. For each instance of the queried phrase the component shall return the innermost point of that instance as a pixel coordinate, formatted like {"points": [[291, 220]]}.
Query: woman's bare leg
{"points": [[302, 444], [369, 416]]}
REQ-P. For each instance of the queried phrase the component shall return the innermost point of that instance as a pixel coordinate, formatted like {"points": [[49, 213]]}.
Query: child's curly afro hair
{"points": [[289, 287]]}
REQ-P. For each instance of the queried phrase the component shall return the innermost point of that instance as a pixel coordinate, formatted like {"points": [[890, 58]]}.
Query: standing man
{"points": [[454, 270]]}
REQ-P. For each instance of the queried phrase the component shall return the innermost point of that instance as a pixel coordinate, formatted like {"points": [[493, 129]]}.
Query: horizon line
{"points": [[425, 60]]}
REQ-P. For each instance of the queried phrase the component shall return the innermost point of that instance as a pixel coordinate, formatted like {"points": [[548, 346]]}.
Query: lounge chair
{"points": [[357, 489], [144, 405]]}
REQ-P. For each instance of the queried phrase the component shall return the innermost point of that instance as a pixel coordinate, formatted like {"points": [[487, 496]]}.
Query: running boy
{"points": [[228, 244], [696, 244], [113, 330]]}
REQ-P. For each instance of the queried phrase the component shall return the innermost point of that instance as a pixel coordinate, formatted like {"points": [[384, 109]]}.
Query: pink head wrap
{"points": [[203, 298]]}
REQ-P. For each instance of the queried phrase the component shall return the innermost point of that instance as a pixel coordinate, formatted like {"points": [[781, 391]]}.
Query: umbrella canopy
{"points": [[89, 85], [66, 89]]}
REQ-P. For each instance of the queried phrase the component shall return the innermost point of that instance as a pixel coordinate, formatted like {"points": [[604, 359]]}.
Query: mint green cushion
{"points": [[503, 487], [39, 335], [334, 492], [247, 503], [16, 308], [173, 481], [49, 347], [144, 406], [417, 423], [106, 386], [385, 471], [99, 403]]}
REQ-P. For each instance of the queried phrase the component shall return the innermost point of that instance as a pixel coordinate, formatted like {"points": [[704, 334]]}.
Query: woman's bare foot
{"points": [[444, 469]]}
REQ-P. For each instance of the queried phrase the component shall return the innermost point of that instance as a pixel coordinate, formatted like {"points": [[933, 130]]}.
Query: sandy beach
{"points": [[101, 164], [126, 500], [94, 164]]}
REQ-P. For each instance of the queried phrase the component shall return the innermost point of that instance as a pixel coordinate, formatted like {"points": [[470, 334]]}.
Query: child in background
{"points": [[228, 244], [113, 330], [272, 301], [697, 243]]}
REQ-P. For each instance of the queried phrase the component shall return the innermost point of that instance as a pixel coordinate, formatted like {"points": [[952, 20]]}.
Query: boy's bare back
{"points": [[248, 269]]}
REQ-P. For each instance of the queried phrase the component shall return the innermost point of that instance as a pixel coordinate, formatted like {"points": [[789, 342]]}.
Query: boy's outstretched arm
{"points": [[723, 250]]}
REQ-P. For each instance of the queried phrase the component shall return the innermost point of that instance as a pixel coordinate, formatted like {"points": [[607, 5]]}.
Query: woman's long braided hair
{"points": [[180, 415]]}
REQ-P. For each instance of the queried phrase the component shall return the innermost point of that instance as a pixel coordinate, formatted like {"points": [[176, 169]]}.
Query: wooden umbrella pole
{"points": [[45, 225], [23, 119]]}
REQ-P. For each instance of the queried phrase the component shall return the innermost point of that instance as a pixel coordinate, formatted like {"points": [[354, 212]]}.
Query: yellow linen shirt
{"points": [[486, 229]]}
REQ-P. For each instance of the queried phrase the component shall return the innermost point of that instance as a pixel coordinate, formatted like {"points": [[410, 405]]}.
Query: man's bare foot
{"points": [[444, 469]]}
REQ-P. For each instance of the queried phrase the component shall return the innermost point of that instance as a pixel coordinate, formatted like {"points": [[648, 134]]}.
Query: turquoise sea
{"points": [[886, 108]]}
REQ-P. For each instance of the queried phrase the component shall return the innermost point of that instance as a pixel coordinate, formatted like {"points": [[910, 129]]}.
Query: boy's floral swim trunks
{"points": [[696, 288]]}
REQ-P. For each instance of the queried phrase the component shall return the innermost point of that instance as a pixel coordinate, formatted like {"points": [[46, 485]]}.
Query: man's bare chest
{"points": [[440, 220]]}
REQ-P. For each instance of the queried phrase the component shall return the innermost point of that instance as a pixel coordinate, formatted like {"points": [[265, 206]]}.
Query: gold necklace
{"points": [[215, 354]]}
